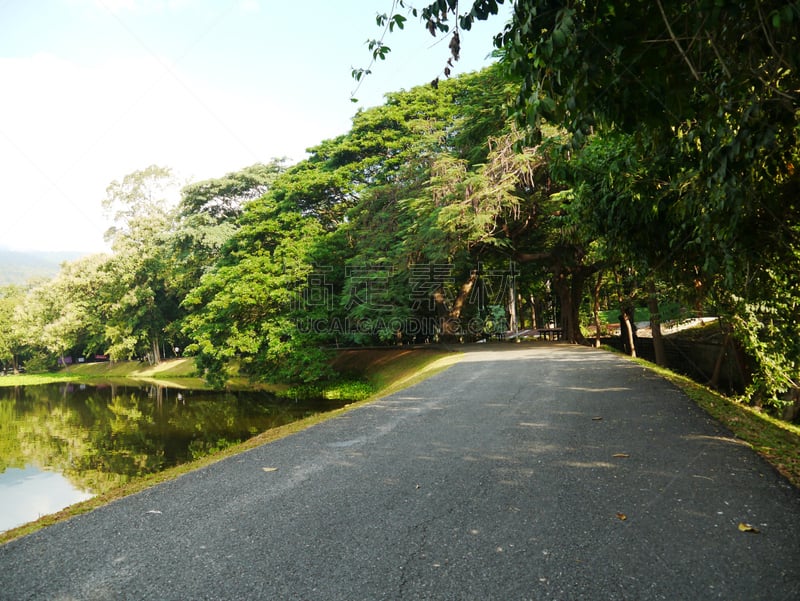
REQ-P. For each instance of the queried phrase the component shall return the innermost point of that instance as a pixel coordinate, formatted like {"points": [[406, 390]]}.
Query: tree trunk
{"points": [[568, 289], [596, 308], [449, 317], [512, 310], [156, 350], [578, 284], [627, 327], [655, 324]]}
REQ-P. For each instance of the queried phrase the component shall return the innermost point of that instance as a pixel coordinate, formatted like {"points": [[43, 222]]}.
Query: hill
{"points": [[18, 267]]}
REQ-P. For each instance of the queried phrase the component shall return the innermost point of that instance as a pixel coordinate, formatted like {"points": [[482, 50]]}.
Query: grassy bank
{"points": [[167, 370], [385, 370]]}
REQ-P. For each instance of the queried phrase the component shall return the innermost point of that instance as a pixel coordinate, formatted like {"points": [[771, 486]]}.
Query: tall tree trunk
{"points": [[578, 284], [156, 350], [627, 327], [655, 324], [449, 316], [512, 310], [569, 289], [598, 285]]}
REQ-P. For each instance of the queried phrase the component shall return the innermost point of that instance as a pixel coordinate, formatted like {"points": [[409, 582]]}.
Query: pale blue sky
{"points": [[96, 89]]}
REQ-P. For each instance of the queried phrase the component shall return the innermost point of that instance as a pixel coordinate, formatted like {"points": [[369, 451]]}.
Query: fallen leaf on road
{"points": [[270, 469], [621, 455], [748, 528], [622, 516]]}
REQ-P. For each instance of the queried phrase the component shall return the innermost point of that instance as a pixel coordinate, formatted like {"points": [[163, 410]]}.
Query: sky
{"points": [[93, 90]]}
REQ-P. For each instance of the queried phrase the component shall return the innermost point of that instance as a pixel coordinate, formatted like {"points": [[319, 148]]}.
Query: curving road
{"points": [[495, 479]]}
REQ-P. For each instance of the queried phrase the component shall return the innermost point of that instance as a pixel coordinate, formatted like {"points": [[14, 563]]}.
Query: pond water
{"points": [[64, 443]]}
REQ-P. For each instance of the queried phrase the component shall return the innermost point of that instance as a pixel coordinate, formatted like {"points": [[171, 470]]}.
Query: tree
{"points": [[513, 207], [11, 337], [245, 311], [63, 315], [139, 302], [223, 199], [363, 187], [207, 218]]}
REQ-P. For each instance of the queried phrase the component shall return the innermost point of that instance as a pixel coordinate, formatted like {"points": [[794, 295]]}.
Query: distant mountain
{"points": [[18, 267]]}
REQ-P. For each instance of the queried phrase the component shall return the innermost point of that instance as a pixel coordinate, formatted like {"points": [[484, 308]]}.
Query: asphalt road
{"points": [[495, 479]]}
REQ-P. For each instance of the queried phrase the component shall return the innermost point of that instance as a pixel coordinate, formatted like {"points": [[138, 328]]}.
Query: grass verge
{"points": [[387, 371], [34, 379], [182, 369]]}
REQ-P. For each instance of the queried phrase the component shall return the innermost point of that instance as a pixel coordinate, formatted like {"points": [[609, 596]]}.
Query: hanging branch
{"points": [[377, 47], [695, 74]]}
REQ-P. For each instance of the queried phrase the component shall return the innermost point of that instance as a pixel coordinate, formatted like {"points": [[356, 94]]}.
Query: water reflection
{"points": [[29, 493], [99, 436]]}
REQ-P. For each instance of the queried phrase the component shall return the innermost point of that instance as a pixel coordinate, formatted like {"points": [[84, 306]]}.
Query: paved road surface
{"points": [[492, 480]]}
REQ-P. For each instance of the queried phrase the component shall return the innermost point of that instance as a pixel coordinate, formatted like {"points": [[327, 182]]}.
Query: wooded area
{"points": [[619, 154]]}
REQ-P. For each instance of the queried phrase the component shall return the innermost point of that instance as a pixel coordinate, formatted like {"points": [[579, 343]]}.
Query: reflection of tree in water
{"points": [[10, 452], [100, 437], [47, 431]]}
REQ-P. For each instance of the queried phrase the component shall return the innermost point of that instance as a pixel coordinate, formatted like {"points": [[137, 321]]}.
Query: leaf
{"points": [[744, 527], [621, 455], [270, 469], [621, 516]]}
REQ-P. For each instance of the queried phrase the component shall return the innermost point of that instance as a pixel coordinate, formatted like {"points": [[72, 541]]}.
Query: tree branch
{"points": [[695, 74]]}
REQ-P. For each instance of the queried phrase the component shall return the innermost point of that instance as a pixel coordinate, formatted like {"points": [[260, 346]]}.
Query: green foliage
{"points": [[337, 389], [223, 199], [244, 310], [690, 113], [11, 336]]}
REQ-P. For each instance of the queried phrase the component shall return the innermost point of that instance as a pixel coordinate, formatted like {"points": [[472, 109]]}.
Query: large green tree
{"points": [[12, 298], [65, 316], [207, 218], [139, 301], [244, 312]]}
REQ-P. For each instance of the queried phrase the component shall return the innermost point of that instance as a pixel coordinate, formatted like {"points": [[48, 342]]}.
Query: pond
{"points": [[64, 443]]}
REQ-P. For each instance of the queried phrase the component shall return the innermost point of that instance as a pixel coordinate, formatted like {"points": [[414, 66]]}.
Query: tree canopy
{"points": [[703, 95]]}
